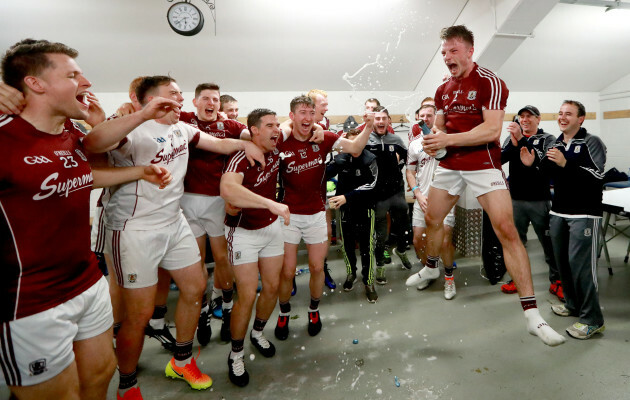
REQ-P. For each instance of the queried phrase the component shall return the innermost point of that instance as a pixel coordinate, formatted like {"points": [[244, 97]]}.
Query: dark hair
{"points": [[301, 99], [353, 132], [206, 86], [580, 107], [458, 31], [226, 98], [373, 100], [29, 57], [254, 117], [149, 84], [381, 109]]}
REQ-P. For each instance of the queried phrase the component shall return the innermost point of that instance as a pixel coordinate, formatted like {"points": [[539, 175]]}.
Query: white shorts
{"points": [[418, 217], [97, 235], [481, 181], [247, 246], [205, 214], [39, 347], [312, 228], [137, 254]]}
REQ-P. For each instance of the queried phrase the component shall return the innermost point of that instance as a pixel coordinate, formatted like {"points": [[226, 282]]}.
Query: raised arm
{"points": [[229, 146], [107, 134], [356, 146], [234, 193]]}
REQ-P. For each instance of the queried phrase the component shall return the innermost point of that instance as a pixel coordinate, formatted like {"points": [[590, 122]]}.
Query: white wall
{"points": [[615, 132]]}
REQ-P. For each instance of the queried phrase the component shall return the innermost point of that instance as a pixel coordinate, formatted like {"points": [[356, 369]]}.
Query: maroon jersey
{"points": [[45, 184], [302, 173], [462, 103], [262, 181], [204, 167], [415, 132], [324, 123]]}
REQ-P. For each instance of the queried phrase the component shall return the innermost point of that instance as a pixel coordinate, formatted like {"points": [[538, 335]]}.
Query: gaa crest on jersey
{"points": [[315, 147], [32, 160], [358, 172], [132, 278], [38, 367], [472, 95], [536, 142], [81, 155], [577, 149], [445, 97], [588, 232], [220, 126], [391, 147], [177, 133], [302, 153], [237, 255]]}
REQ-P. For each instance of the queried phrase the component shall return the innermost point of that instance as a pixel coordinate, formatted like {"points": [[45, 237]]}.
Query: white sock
{"points": [[311, 310], [182, 363], [236, 355], [157, 323], [256, 334], [205, 309], [216, 292], [537, 326], [228, 306], [284, 314], [430, 273]]}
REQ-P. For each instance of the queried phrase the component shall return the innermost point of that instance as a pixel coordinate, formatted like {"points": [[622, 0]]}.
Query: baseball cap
{"points": [[531, 109]]}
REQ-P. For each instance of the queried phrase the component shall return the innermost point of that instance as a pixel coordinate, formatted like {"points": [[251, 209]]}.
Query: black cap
{"points": [[531, 109]]}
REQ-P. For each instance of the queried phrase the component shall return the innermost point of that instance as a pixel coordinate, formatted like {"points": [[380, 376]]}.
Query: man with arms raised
{"points": [[254, 238], [302, 172], [471, 107], [147, 228]]}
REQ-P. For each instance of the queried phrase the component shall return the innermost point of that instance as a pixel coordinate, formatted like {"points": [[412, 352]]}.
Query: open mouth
{"points": [[83, 99]]}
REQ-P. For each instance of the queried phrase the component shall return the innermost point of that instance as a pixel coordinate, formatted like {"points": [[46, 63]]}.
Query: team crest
{"points": [[132, 278], [193, 122], [391, 147], [220, 125], [38, 366], [472, 95], [80, 153], [237, 255], [577, 149], [536, 142], [275, 151], [588, 232], [177, 133], [302, 153], [315, 147], [358, 172]]}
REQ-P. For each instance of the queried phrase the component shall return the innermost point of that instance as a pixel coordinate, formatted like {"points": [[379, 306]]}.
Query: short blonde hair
{"points": [[313, 93]]}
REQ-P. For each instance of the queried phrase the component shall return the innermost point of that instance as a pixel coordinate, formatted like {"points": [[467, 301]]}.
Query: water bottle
{"points": [[427, 131]]}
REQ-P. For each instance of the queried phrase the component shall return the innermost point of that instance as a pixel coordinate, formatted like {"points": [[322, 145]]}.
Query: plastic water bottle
{"points": [[426, 131]]}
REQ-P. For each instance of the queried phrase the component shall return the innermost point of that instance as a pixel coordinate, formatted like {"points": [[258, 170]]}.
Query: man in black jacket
{"points": [[391, 155], [529, 188], [576, 164], [356, 175]]}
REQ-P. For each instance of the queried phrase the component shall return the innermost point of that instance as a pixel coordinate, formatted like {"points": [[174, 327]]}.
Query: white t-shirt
{"points": [[423, 164], [141, 205]]}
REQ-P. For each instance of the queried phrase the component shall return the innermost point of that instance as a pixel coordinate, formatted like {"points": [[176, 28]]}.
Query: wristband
{"points": [[413, 189]]}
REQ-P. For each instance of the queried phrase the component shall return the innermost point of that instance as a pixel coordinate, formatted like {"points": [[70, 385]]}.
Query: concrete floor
{"points": [[473, 347]]}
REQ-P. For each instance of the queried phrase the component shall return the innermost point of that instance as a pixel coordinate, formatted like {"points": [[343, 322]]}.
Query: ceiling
{"points": [[339, 45]]}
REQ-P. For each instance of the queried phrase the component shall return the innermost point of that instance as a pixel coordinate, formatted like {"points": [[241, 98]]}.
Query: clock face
{"points": [[185, 19]]}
